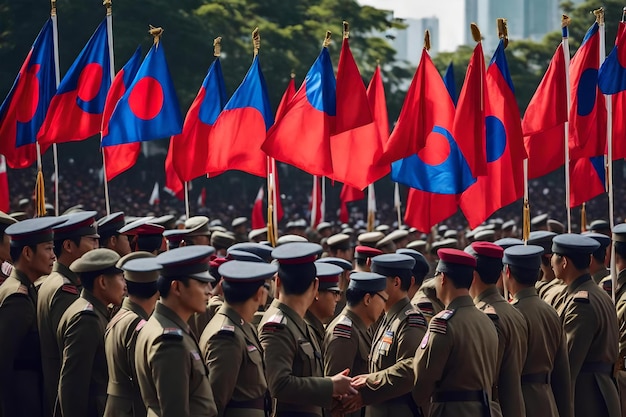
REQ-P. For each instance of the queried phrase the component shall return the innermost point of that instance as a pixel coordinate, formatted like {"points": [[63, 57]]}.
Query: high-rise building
{"points": [[408, 42], [541, 17]]}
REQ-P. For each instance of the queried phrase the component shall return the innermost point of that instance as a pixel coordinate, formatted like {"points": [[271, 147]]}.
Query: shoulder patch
{"points": [[140, 325], [69, 288], [425, 340], [490, 312], [88, 307], [581, 297], [346, 321], [425, 305], [22, 289], [66, 280], [343, 328], [278, 317], [439, 323], [415, 318], [173, 333], [227, 329]]}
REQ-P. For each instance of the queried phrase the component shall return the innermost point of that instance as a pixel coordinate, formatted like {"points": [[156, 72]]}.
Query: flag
{"points": [[119, 158], [191, 147], [173, 184], [202, 198], [301, 137], [448, 80], [469, 121], [587, 117], [4, 186], [289, 93], [347, 195], [315, 202], [544, 120], [24, 109], [82, 94], [587, 179], [504, 182], [241, 128], [371, 207], [258, 219], [612, 80], [356, 150], [149, 109], [154, 197]]}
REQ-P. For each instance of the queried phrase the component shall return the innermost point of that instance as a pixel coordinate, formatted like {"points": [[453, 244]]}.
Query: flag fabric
{"points": [[119, 158], [258, 219], [424, 210], [469, 121], [612, 80], [173, 183], [149, 109], [448, 80], [289, 93], [202, 198], [240, 129], [348, 194], [4, 186], [154, 196], [587, 179], [191, 147], [544, 120], [24, 109], [587, 117], [315, 202], [301, 137], [504, 182], [81, 95]]}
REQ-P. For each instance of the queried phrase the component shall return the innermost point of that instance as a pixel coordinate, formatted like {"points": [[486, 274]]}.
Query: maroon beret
{"points": [[456, 256], [488, 249]]}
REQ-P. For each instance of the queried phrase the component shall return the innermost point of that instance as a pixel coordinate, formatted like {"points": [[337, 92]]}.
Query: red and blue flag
{"points": [[612, 80], [24, 109], [587, 179], [81, 95], [448, 80]]}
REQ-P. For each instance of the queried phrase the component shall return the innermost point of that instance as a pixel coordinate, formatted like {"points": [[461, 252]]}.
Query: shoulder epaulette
{"points": [[228, 329], [439, 323], [581, 297], [425, 305], [140, 325], [69, 288], [88, 309], [490, 312], [173, 333], [22, 289], [66, 280], [415, 318], [119, 316], [274, 323], [343, 328]]}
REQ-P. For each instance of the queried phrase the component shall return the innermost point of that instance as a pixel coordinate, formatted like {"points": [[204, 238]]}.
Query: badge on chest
{"points": [[385, 343]]}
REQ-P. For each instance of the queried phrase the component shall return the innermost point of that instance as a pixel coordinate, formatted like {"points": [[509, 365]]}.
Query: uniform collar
{"points": [[315, 323], [169, 314], [356, 320], [526, 293], [462, 301], [229, 312], [97, 304], [21, 277], [491, 290], [578, 282], [398, 307], [66, 272], [135, 308]]}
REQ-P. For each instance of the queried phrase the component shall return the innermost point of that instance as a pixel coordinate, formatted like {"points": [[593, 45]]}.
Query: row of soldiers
{"points": [[97, 319]]}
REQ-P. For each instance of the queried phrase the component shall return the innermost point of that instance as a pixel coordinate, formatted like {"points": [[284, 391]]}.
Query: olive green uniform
{"points": [[590, 325], [425, 299], [387, 389], [598, 275], [198, 321], [555, 294], [83, 378], [57, 292], [233, 354], [512, 349], [124, 397], [620, 374], [317, 327], [172, 376], [20, 358], [294, 369], [455, 364], [545, 376]]}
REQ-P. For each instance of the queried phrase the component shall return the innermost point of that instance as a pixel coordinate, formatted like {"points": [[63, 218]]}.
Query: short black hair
{"points": [[164, 283], [16, 251], [87, 279], [295, 278], [240, 292], [525, 276], [143, 290], [58, 244], [579, 262], [461, 278], [354, 296], [600, 254], [361, 261], [149, 243], [620, 249], [489, 269], [405, 279]]}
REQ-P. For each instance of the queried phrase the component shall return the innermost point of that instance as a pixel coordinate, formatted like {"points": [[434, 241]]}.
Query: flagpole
{"points": [[57, 73], [323, 207], [109, 11], [314, 201], [186, 188], [526, 209], [274, 198], [565, 21], [396, 202]]}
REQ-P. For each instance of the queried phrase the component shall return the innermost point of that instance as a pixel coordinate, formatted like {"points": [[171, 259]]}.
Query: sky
{"points": [[450, 13]]}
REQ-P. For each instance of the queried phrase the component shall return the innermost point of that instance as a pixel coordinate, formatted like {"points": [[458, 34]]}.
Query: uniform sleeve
{"points": [[80, 343], [509, 380], [428, 364], [560, 381], [60, 302], [339, 353], [171, 369], [223, 356], [580, 324], [279, 352], [398, 379]]}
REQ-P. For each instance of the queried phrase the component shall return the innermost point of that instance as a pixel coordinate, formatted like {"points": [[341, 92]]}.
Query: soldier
{"points": [[590, 324], [597, 267], [32, 253], [456, 376], [258, 235], [72, 239], [347, 342], [5, 245], [339, 247], [293, 361], [110, 236], [363, 256], [545, 376], [386, 389], [421, 299], [172, 376], [322, 309], [324, 229], [344, 279], [507, 242], [199, 233], [175, 238], [83, 378], [230, 346], [144, 236], [547, 278], [240, 226], [539, 222], [370, 238], [221, 241], [600, 226], [619, 240], [511, 325], [140, 272]]}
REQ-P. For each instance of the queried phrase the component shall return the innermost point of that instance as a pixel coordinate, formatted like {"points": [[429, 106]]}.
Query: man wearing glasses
{"points": [[322, 310]]}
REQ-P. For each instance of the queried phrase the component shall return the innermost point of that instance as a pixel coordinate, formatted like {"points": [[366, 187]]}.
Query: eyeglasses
{"points": [[336, 293], [385, 299], [266, 285]]}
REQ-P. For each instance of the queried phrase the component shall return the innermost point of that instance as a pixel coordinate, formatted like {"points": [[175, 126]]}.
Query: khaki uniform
{"points": [[83, 378], [124, 397], [20, 358], [171, 373], [57, 292], [606, 283], [555, 294], [347, 345], [198, 321], [590, 325], [317, 327], [233, 354], [5, 271], [388, 387], [293, 362], [455, 375], [597, 276], [620, 375], [545, 376], [512, 348], [425, 299]]}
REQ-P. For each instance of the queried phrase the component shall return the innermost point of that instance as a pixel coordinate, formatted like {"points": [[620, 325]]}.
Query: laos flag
{"points": [[302, 135], [119, 158], [149, 110], [241, 128], [504, 182], [190, 148], [588, 179], [24, 109], [75, 111]]}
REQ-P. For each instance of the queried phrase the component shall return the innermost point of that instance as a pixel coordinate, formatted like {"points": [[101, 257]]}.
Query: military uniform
{"points": [[455, 375], [199, 321], [425, 299], [317, 328], [620, 374]]}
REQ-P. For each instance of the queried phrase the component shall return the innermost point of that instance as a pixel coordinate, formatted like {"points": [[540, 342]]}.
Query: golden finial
{"points": [[475, 32], [108, 5], [53, 8], [427, 40], [346, 30], [326, 43], [156, 33], [503, 31], [217, 46], [599, 13], [565, 21], [256, 41], [293, 74]]}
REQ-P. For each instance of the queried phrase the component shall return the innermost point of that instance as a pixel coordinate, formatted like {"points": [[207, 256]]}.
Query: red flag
{"points": [[424, 209], [469, 121], [544, 120], [587, 179], [258, 219], [173, 184], [315, 203], [154, 196], [348, 194], [202, 198], [619, 98], [4, 186], [289, 93]]}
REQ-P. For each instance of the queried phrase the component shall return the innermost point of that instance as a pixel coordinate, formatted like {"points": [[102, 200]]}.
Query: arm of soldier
{"points": [[223, 355], [428, 364], [339, 352], [580, 324], [560, 380], [279, 351], [79, 344], [621, 320], [170, 365], [60, 302], [509, 380]]}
